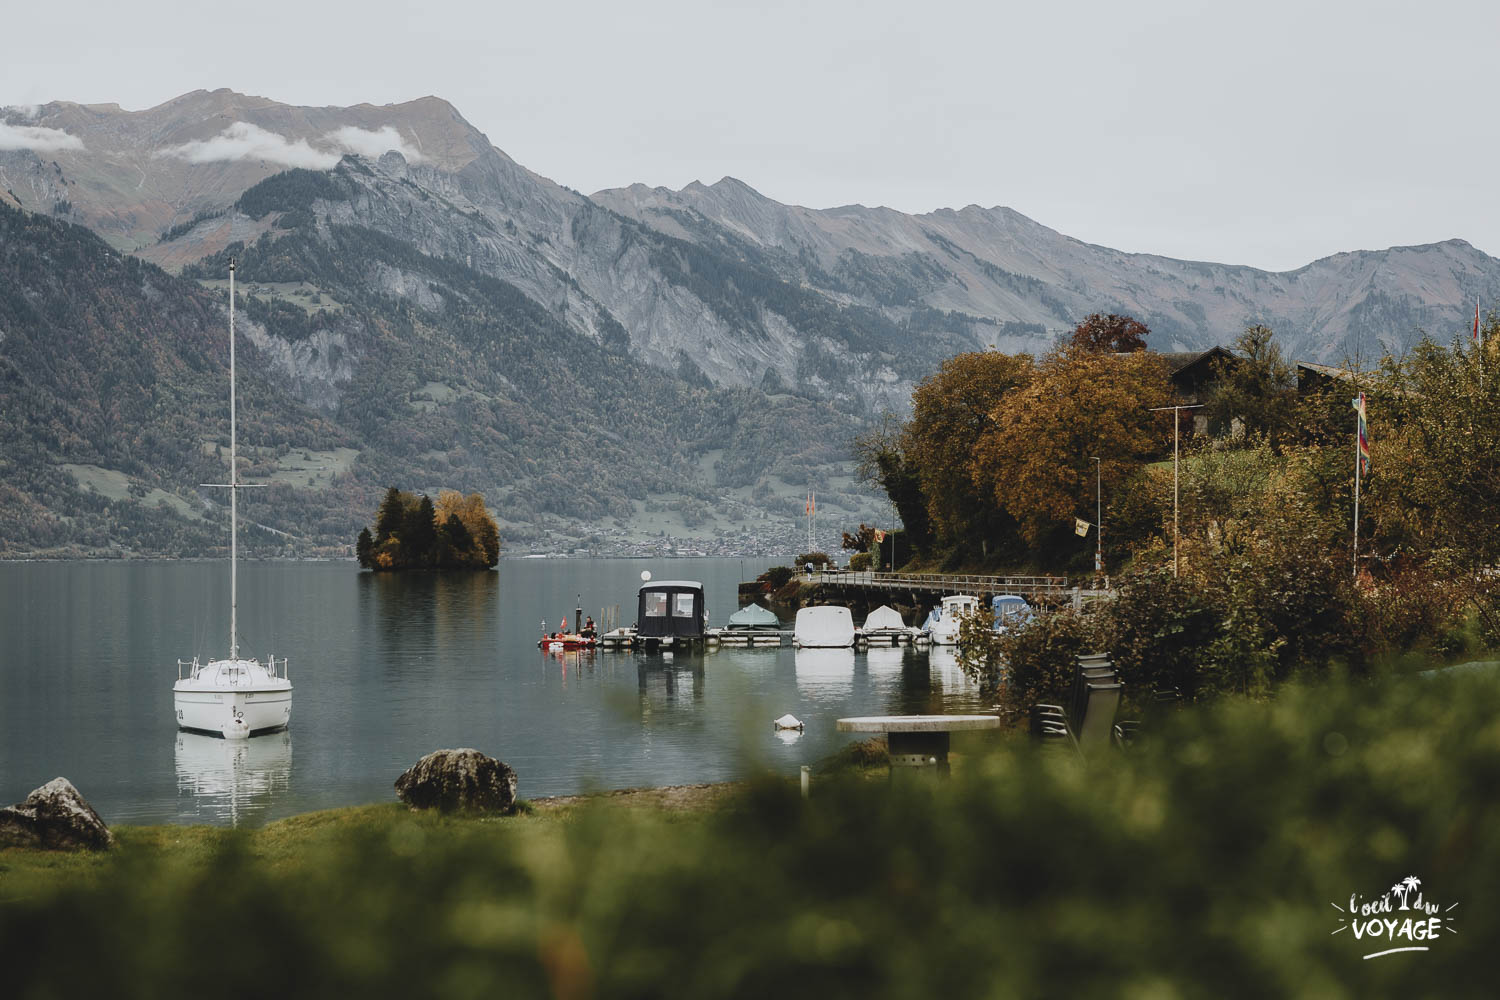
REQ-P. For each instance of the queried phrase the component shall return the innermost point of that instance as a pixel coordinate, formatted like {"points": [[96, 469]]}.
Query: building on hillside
{"points": [[1194, 374], [1313, 377]]}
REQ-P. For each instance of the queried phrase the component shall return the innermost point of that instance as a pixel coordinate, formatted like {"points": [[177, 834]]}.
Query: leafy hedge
{"points": [[1208, 862]]}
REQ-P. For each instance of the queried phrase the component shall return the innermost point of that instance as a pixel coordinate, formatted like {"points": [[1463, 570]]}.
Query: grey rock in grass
{"points": [[54, 817], [449, 780]]}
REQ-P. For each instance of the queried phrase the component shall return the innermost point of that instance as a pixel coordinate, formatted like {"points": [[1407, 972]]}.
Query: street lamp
{"points": [[1098, 515], [1176, 453]]}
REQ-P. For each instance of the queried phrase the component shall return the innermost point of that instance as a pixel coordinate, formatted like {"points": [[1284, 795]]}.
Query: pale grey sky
{"points": [[1268, 134]]}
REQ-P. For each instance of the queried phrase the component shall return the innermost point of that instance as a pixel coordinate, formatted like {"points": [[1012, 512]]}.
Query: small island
{"points": [[413, 532]]}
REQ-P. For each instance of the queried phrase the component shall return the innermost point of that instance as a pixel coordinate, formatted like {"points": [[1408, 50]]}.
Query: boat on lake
{"points": [[235, 697], [885, 627], [670, 614], [751, 625], [1011, 611], [942, 624], [824, 627]]}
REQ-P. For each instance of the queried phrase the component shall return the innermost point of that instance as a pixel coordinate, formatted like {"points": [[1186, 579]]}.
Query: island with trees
{"points": [[413, 532]]}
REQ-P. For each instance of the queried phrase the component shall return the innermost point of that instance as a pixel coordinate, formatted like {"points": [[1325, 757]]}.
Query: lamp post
{"points": [[1098, 515], [1176, 455]]}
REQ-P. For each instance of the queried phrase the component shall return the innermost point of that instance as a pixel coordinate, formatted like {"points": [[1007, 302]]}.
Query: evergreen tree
{"points": [[455, 543], [364, 548], [389, 518], [419, 534]]}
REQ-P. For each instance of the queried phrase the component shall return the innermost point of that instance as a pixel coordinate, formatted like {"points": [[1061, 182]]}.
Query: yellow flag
{"points": [[1081, 526]]}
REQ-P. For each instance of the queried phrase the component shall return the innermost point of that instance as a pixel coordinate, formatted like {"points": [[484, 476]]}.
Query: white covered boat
{"points": [[234, 697], [885, 627], [824, 627]]}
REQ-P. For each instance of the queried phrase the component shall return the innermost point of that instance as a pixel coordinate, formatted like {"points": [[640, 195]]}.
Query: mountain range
{"points": [[401, 271]]}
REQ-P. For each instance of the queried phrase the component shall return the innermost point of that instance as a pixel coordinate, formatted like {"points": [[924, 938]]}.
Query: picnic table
{"points": [[918, 740]]}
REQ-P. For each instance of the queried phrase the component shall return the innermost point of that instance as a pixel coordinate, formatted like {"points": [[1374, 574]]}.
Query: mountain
{"points": [[856, 302], [426, 311], [1025, 278], [113, 384]]}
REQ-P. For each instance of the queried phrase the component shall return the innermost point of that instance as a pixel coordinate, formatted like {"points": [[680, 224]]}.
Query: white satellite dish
{"points": [[645, 576]]}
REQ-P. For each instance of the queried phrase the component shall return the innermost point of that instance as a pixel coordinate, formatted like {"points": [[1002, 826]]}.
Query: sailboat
{"points": [[234, 697]]}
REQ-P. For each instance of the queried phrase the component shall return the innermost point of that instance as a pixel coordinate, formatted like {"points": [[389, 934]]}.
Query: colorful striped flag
{"points": [[1364, 435]]}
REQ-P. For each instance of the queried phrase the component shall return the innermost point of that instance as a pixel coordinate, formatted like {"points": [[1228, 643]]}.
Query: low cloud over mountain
{"points": [[244, 141]]}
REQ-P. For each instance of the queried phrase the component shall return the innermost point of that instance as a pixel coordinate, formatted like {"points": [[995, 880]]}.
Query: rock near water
{"points": [[458, 779], [54, 817]]}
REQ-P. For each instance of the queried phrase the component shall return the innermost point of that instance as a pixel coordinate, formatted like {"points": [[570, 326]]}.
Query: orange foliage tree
{"points": [[952, 410], [1034, 458], [1110, 333]]}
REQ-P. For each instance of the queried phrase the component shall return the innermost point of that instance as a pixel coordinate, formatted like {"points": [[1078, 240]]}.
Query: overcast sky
{"points": [[1268, 133]]}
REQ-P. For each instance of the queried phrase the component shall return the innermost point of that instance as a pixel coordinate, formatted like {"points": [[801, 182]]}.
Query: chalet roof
{"points": [[1179, 361], [1327, 371]]}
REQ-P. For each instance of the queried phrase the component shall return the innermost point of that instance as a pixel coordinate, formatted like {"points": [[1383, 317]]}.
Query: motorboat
{"points": [[1011, 612], [235, 697], [671, 614], [824, 627], [942, 626]]}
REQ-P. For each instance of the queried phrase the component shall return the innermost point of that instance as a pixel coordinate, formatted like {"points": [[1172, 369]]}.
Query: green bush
{"points": [[1207, 862], [859, 561], [1036, 663]]}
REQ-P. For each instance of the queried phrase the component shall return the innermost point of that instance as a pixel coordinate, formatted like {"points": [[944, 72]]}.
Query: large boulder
{"points": [[458, 779], [54, 817]]}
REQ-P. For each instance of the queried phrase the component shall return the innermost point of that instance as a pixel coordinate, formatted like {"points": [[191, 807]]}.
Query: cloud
{"points": [[243, 141], [373, 144], [37, 138]]}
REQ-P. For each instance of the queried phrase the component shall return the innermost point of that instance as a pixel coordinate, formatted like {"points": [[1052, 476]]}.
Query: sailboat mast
{"points": [[234, 493]]}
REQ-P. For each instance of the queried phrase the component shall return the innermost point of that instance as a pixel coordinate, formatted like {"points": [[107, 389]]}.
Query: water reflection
{"points": [[419, 615], [231, 780], [825, 674], [943, 667], [665, 683]]}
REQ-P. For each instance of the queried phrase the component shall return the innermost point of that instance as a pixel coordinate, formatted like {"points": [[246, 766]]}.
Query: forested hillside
{"points": [[113, 383]]}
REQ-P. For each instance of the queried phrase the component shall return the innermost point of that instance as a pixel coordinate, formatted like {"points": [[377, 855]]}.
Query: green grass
{"points": [[116, 486], [313, 469]]}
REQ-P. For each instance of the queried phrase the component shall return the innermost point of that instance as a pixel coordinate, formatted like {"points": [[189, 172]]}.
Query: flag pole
{"points": [[1357, 463]]}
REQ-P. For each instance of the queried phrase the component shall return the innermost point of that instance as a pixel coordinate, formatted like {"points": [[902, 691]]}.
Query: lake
{"points": [[388, 668]]}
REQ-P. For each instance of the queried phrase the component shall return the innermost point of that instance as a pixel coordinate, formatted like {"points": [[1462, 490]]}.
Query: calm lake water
{"points": [[388, 668]]}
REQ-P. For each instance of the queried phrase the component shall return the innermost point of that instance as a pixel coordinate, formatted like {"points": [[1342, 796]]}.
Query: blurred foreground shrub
{"points": [[1204, 863]]}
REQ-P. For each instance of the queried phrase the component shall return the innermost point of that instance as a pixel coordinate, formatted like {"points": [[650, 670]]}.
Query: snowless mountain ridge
{"points": [[855, 303]]}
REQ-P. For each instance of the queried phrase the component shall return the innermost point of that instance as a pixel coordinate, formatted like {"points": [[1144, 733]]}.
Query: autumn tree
{"points": [[951, 410], [470, 511], [1109, 334], [860, 541], [1035, 458], [413, 532]]}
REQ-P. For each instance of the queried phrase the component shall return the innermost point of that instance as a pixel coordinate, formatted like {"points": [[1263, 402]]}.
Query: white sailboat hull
{"points": [[233, 699], [233, 714]]}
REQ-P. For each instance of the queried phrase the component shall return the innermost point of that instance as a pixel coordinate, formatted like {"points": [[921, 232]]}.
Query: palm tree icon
{"points": [[1401, 889], [1411, 882]]}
